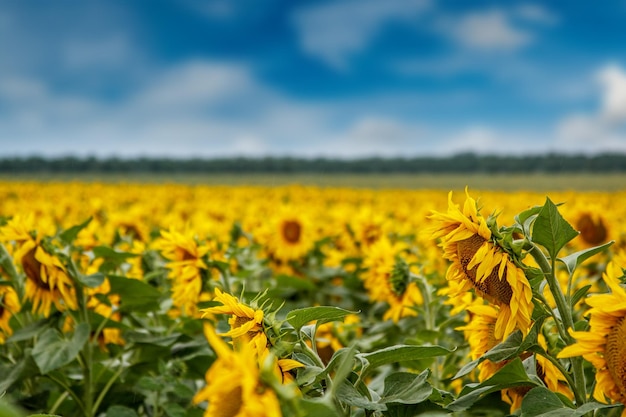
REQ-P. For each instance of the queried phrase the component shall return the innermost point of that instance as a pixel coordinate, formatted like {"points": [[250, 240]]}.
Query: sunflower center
{"points": [[230, 404], [32, 269], [492, 288], [291, 231], [615, 355], [184, 254], [591, 231]]}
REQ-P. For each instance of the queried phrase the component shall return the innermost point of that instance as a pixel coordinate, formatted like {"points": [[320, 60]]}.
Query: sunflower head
{"points": [[481, 264], [604, 344], [592, 227]]}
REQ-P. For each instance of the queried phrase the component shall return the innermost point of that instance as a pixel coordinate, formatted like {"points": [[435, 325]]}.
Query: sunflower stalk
{"points": [[566, 322], [87, 355]]}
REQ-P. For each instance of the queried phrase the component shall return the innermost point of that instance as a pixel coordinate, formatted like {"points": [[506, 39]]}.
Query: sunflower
{"points": [[246, 323], [47, 281], [478, 263], [481, 337], [234, 387], [185, 265], [387, 279], [9, 305], [290, 236], [604, 344]]}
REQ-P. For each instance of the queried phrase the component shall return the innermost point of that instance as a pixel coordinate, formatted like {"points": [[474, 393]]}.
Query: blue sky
{"points": [[343, 79]]}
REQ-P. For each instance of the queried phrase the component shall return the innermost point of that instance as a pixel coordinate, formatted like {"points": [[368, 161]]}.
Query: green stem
{"points": [[106, 388], [86, 355], [58, 402], [566, 322], [69, 391]]}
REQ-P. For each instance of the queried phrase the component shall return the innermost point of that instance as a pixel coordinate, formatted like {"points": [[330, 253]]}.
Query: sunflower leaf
{"points": [[510, 375], [551, 230], [399, 353], [407, 388], [6, 264], [541, 402], [322, 314], [574, 260], [68, 235], [52, 350]]}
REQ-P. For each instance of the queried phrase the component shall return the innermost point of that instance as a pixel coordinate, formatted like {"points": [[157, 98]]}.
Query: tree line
{"points": [[460, 163]]}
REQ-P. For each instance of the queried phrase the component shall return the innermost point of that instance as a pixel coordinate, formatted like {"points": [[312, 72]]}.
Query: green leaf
{"points": [[23, 369], [580, 293], [407, 388], [111, 255], [510, 375], [348, 394], [6, 264], [400, 353], [52, 351], [91, 281], [574, 260], [322, 314], [526, 217], [121, 411], [541, 402], [551, 230], [174, 410], [135, 295], [32, 330], [317, 408], [68, 235]]}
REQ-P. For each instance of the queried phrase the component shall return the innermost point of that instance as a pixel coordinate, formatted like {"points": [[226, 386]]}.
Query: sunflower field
{"points": [[233, 301]]}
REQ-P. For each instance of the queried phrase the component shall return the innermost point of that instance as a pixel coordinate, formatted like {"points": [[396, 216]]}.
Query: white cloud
{"points": [[334, 31], [604, 129], [613, 81], [486, 30]]}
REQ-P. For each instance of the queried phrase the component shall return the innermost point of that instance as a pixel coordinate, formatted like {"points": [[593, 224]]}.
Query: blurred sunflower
{"points": [[387, 279], [334, 335], [604, 344], [246, 323], [9, 305], [47, 281], [291, 235], [185, 257], [233, 384], [478, 263]]}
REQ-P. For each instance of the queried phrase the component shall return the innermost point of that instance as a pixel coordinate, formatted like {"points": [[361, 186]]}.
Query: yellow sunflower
{"points": [[47, 281], [480, 334], [185, 263], [291, 235], [480, 264], [234, 387], [604, 344], [9, 305], [387, 279], [246, 323]]}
